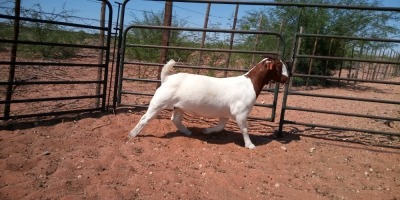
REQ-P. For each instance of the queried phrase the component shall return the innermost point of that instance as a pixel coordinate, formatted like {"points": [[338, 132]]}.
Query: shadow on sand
{"points": [[227, 137]]}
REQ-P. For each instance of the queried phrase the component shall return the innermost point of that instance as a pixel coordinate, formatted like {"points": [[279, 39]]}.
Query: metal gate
{"points": [[367, 70], [138, 79], [51, 86]]}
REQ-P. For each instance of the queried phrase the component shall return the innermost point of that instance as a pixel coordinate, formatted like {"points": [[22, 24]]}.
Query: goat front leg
{"points": [[177, 119], [221, 125], [242, 122]]}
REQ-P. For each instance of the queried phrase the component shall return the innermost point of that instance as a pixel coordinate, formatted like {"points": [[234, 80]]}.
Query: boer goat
{"points": [[222, 98]]}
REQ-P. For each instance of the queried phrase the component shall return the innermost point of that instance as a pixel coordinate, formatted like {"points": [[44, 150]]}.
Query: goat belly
{"points": [[210, 111]]}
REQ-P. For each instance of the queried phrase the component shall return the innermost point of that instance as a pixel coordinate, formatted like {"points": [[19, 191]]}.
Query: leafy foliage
{"points": [[324, 21], [153, 37], [341, 22], [46, 33]]}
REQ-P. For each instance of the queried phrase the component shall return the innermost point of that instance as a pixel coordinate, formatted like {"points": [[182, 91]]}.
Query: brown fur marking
{"points": [[264, 72]]}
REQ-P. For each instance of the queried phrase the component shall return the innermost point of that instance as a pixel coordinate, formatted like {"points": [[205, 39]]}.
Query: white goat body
{"points": [[222, 98], [206, 96]]}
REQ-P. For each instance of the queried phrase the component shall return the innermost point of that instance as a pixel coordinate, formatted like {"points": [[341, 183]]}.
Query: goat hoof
{"points": [[131, 135], [250, 146], [206, 131], [187, 132]]}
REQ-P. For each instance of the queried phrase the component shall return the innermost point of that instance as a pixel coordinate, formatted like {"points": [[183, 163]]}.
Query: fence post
{"points": [[292, 70], [11, 74], [295, 61], [228, 60], [364, 64], [358, 64], [327, 61], [117, 30], [165, 37], [396, 68], [278, 42], [378, 68], [119, 64], [203, 37], [392, 68], [312, 60], [257, 39], [351, 64], [374, 68], [387, 66], [101, 51], [370, 64], [341, 64]]}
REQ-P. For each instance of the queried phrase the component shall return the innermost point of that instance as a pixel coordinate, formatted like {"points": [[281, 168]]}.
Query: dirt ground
{"points": [[89, 157]]}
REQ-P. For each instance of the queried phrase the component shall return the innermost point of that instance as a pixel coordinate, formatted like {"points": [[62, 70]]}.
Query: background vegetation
{"points": [[340, 22], [45, 32], [355, 23]]}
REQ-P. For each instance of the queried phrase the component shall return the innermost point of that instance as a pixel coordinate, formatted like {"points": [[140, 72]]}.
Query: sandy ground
{"points": [[89, 157]]}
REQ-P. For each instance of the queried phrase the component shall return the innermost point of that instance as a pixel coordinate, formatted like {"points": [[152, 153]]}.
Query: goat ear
{"points": [[267, 63], [270, 65]]}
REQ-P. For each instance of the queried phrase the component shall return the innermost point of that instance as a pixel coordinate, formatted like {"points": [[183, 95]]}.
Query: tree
{"points": [[153, 37], [44, 32], [357, 23], [47, 32]]}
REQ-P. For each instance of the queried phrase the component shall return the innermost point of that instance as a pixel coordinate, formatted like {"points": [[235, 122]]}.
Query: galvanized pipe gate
{"points": [[17, 65], [120, 90], [131, 91], [289, 91]]}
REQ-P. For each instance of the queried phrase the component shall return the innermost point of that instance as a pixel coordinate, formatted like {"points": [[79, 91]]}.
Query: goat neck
{"points": [[259, 75]]}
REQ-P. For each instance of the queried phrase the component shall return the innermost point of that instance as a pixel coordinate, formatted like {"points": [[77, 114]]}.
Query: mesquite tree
{"points": [[343, 22]]}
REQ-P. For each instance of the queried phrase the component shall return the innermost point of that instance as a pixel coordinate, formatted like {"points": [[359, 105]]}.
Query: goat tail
{"points": [[167, 67]]}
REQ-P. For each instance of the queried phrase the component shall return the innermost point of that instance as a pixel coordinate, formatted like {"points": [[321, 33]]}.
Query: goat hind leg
{"points": [[221, 125], [177, 119], [150, 114]]}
